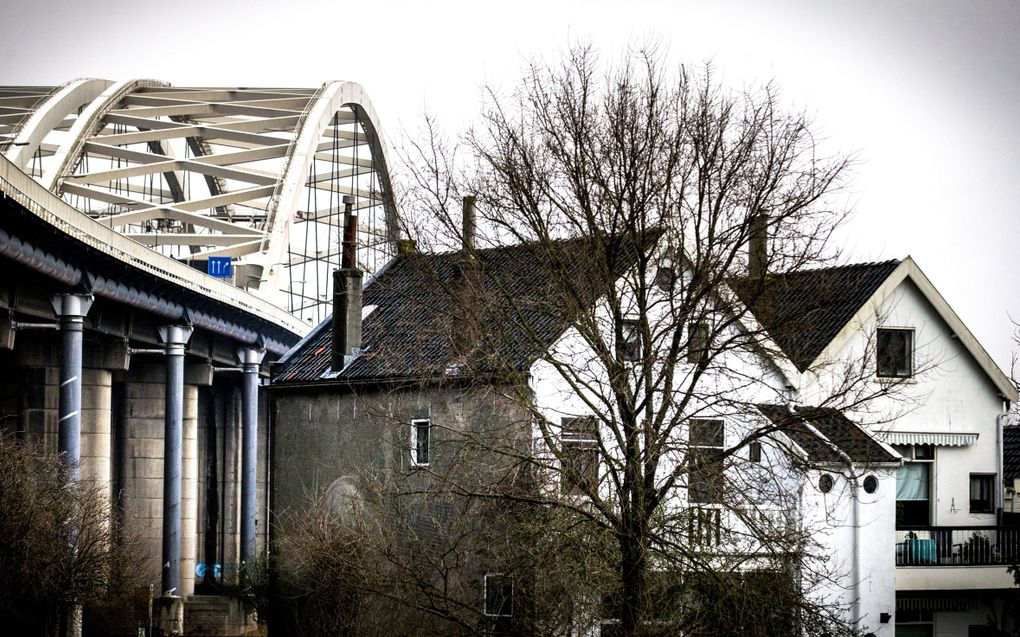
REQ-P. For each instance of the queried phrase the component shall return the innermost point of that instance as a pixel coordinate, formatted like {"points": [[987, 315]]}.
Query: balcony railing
{"points": [[957, 546]]}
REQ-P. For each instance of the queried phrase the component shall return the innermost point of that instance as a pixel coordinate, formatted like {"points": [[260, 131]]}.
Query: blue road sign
{"points": [[219, 267]]}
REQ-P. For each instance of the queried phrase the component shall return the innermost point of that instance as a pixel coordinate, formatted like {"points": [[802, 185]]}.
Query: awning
{"points": [[921, 438], [953, 602]]}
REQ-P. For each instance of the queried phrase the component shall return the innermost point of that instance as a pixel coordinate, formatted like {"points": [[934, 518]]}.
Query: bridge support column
{"points": [[174, 338], [250, 359], [71, 310]]}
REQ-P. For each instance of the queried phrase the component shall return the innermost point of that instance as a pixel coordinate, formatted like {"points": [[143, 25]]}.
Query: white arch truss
{"points": [[254, 174]]}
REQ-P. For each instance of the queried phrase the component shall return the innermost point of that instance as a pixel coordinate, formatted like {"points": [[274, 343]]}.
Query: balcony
{"points": [[958, 546], [956, 557]]}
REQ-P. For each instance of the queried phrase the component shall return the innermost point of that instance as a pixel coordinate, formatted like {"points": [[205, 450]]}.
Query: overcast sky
{"points": [[927, 93]]}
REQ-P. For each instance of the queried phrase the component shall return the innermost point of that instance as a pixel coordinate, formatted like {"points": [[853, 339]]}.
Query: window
{"points": [[631, 340], [982, 493], [754, 452], [895, 353], [705, 464], [913, 485], [499, 595], [665, 278], [825, 483], [421, 434], [580, 461], [913, 506], [697, 342], [870, 484]]}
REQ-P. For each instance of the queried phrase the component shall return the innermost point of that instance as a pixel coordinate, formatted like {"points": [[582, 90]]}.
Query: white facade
{"points": [[952, 400]]}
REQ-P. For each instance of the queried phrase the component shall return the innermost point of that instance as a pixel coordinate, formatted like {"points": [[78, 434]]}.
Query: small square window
{"points": [[895, 353], [421, 439], [697, 343], [982, 493], [665, 278], [499, 595], [754, 452], [579, 473], [632, 350]]}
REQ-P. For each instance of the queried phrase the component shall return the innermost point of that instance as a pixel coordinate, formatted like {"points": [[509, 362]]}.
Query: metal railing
{"points": [[957, 545]]}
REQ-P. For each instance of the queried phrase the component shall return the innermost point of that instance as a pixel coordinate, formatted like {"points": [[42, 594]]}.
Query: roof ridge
{"points": [[848, 266]]}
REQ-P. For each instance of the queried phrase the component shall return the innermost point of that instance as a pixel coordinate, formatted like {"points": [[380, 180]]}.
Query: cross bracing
{"points": [[254, 174]]}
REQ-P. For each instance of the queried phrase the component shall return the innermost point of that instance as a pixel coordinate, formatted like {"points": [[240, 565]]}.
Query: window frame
{"points": [[699, 335], [704, 454], [485, 594], [989, 502], [880, 359], [415, 442], [575, 442], [633, 344]]}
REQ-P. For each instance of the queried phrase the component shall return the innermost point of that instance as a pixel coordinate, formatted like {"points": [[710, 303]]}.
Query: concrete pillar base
{"points": [[168, 613], [220, 616]]}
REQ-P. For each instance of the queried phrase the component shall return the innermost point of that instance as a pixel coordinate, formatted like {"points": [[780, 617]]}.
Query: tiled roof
{"points": [[804, 424], [803, 311], [432, 320], [1011, 452]]}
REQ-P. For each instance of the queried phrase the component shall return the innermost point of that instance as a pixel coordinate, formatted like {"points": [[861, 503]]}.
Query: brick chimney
{"points": [[347, 294], [758, 245], [467, 287]]}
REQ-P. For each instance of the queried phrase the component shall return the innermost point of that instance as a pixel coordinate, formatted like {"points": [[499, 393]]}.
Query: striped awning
{"points": [[923, 438]]}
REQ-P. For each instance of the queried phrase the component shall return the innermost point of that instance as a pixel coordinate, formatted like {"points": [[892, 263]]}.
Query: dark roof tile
{"points": [[804, 424], [803, 311], [434, 318]]}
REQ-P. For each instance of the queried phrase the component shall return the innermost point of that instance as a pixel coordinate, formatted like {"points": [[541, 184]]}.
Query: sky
{"points": [[925, 93]]}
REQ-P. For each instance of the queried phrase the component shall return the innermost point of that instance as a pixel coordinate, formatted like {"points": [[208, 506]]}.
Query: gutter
{"points": [[56, 268]]}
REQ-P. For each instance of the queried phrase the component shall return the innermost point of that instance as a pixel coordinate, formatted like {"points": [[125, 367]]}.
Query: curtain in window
{"points": [[912, 481]]}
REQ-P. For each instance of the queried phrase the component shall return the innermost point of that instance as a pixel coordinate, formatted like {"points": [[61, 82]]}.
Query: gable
{"points": [[804, 311]]}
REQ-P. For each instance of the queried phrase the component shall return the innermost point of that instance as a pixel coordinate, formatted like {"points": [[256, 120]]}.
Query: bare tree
{"points": [[57, 550], [678, 196]]}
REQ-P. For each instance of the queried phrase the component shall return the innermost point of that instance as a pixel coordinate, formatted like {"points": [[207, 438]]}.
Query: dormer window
{"points": [[632, 350], [895, 353]]}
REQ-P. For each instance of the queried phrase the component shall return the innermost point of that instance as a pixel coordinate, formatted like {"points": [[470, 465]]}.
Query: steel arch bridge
{"points": [[254, 174]]}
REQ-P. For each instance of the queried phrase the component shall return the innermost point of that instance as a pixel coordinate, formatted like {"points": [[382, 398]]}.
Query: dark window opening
{"points": [[895, 353], [697, 343], [421, 433], [632, 346], [982, 493], [705, 462], [754, 452], [665, 278], [580, 461], [499, 595]]}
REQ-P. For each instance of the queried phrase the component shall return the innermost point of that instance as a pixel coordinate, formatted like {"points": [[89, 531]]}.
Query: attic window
{"points": [[665, 278], [631, 340], [895, 353]]}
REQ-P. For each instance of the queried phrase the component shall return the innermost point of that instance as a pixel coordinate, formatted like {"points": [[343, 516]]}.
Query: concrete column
{"points": [[71, 310], [96, 457], [250, 359], [174, 338], [189, 490]]}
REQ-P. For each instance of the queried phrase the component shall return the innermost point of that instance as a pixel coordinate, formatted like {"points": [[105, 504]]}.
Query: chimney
{"points": [[467, 287], [468, 227], [758, 245], [347, 294]]}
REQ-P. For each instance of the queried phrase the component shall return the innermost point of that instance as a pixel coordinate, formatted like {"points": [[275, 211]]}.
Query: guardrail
{"points": [[957, 546]]}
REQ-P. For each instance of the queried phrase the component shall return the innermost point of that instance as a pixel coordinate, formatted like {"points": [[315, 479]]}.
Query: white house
{"points": [[864, 419]]}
